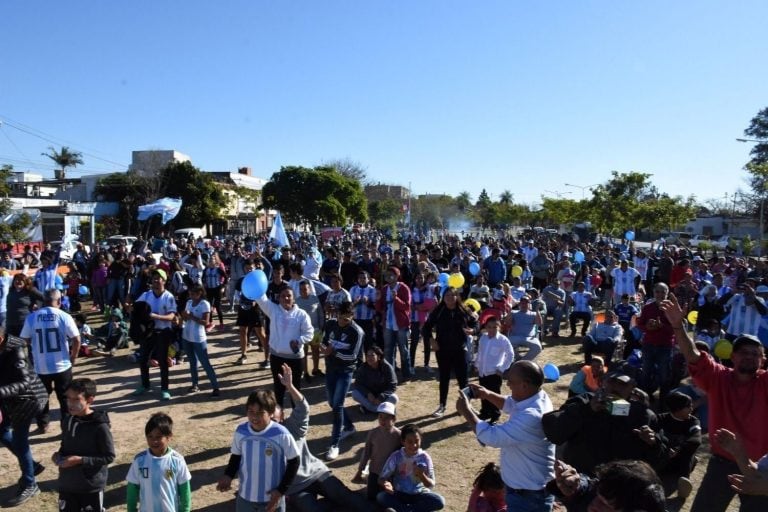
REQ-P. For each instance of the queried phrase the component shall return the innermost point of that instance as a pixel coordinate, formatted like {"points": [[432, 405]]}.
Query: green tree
{"points": [[129, 190], [64, 158], [350, 168], [319, 196], [758, 129], [16, 229], [506, 197], [386, 211], [463, 201], [202, 198]]}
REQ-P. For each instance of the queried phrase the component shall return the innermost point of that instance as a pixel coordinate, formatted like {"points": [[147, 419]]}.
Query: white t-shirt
{"points": [[162, 305], [49, 330], [195, 331]]}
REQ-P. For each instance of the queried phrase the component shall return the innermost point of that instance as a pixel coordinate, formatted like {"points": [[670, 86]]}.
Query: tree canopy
{"points": [[16, 229], [316, 196], [64, 158]]}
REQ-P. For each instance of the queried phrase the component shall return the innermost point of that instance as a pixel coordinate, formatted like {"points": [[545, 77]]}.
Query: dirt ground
{"points": [[204, 425]]}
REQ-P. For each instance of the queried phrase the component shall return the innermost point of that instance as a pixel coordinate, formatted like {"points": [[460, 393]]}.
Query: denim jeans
{"points": [[605, 347], [115, 291], [199, 352], [419, 502], [362, 399], [657, 367], [715, 493], [242, 505], [398, 338], [337, 385], [529, 501], [17, 441]]}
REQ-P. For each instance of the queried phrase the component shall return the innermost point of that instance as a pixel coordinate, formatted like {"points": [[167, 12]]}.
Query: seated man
{"points": [[600, 427], [603, 338], [524, 326], [587, 380]]}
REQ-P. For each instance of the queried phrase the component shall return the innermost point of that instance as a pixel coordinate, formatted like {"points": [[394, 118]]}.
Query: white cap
{"points": [[386, 408]]}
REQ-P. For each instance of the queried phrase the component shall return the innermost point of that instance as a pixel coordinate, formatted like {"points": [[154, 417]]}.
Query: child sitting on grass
{"points": [[408, 476]]}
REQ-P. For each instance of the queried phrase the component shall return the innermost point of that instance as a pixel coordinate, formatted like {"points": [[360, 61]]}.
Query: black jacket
{"points": [[593, 438], [90, 438], [22, 394]]}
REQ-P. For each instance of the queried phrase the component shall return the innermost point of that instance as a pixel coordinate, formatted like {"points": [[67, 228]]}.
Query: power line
{"points": [[54, 140]]}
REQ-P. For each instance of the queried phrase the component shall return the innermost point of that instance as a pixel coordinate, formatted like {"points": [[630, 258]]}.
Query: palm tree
{"points": [[64, 158], [506, 197], [463, 201]]}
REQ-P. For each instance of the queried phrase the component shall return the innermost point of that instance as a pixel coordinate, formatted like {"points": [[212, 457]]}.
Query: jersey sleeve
{"points": [[183, 475], [133, 473]]}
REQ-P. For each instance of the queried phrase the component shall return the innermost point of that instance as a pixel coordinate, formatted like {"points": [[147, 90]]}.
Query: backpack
{"points": [[141, 324]]}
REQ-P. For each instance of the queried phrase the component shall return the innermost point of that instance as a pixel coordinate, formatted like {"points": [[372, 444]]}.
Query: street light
{"points": [[557, 194], [583, 189]]}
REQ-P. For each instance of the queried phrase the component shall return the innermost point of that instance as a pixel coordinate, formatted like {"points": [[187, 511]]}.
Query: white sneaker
{"points": [[333, 453], [439, 412]]}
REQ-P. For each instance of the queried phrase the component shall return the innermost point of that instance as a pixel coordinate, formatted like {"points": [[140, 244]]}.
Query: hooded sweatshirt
{"points": [[90, 438]]}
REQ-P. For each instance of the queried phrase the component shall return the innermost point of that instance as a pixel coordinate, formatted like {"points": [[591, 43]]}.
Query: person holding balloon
{"points": [[291, 329]]}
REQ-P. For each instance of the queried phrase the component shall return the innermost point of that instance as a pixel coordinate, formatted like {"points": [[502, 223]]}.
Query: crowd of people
{"points": [[672, 343]]}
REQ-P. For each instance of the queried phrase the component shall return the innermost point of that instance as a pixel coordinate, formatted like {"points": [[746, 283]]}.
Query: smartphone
{"points": [[468, 392]]}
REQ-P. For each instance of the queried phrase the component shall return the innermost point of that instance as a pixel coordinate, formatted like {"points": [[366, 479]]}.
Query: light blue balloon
{"points": [[443, 279], [551, 371], [578, 256], [83, 290], [255, 284], [474, 268], [629, 235]]}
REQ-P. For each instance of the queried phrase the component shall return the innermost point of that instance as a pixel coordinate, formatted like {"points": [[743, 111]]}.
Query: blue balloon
{"points": [[578, 256], [83, 290], [629, 235], [474, 268], [255, 284], [551, 371], [443, 279]]}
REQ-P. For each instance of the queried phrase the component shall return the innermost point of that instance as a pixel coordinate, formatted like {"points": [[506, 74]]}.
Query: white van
{"points": [[187, 232]]}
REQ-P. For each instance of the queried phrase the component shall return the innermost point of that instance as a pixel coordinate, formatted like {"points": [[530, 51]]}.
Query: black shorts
{"points": [[76, 502], [249, 318]]}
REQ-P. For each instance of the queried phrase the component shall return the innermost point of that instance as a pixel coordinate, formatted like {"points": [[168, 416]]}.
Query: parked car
{"points": [[126, 240], [727, 243], [698, 239]]}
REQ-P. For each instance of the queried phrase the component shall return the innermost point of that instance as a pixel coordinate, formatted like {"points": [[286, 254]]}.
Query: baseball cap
{"points": [[161, 273], [386, 408]]}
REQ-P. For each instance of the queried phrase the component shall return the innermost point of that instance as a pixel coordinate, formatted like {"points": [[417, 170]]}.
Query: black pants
{"points": [[59, 382], [276, 364], [367, 327], [157, 343], [488, 411], [585, 317], [415, 338], [448, 360], [76, 501], [214, 298]]}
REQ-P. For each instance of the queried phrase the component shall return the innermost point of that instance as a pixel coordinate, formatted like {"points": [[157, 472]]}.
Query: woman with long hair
{"points": [[452, 322], [23, 298]]}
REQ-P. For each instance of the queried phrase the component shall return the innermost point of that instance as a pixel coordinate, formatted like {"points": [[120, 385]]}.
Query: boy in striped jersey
{"points": [[158, 479], [264, 456]]}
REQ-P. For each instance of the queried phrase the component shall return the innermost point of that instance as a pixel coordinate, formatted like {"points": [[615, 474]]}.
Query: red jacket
{"points": [[401, 303]]}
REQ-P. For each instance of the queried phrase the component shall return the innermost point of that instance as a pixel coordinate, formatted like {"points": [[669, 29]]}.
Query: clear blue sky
{"points": [[446, 95]]}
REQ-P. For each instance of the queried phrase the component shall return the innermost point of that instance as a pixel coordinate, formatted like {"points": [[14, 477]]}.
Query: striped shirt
{"points": [[158, 479], [45, 278], [264, 456], [49, 329], [364, 310], [581, 302], [744, 318], [213, 277], [391, 320], [624, 281]]}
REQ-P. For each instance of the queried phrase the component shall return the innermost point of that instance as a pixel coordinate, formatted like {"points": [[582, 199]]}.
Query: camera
{"points": [[468, 393]]}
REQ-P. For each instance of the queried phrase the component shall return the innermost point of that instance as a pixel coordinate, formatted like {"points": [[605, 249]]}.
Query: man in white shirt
{"points": [[527, 457]]}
